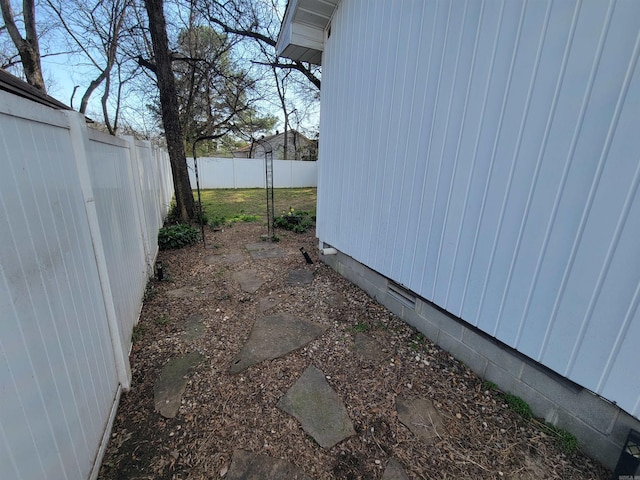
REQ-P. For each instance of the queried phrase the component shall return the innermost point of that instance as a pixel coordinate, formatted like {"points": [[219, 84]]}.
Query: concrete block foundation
{"points": [[600, 426]]}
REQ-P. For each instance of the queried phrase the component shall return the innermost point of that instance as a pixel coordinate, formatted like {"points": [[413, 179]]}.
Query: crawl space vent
{"points": [[404, 296]]}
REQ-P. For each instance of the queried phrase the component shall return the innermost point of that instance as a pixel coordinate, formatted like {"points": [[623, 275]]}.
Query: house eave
{"points": [[302, 32]]}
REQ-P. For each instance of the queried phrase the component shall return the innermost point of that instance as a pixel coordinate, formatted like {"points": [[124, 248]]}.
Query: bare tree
{"points": [[169, 108], [256, 20], [28, 47], [96, 29]]}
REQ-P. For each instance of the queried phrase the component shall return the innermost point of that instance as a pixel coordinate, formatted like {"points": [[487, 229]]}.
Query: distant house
{"points": [[299, 147], [491, 198]]}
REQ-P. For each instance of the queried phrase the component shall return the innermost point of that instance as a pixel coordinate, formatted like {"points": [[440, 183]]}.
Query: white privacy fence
{"points": [[250, 173], [80, 212]]}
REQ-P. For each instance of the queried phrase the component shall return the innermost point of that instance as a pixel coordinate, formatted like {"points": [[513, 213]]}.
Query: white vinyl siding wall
{"points": [[486, 155]]}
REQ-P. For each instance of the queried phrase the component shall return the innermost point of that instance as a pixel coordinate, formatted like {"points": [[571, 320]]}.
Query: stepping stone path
{"points": [[299, 277], [251, 466], [168, 390], [193, 328], [421, 417], [335, 299], [266, 304], [225, 259], [262, 250], [394, 471], [189, 292], [368, 349], [318, 408], [272, 337], [248, 280]]}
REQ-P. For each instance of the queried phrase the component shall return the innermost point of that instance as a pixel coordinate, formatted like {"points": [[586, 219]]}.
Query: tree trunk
{"points": [[28, 47], [169, 106]]}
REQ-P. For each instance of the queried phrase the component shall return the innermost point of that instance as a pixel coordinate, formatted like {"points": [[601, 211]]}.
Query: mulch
{"points": [[482, 436]]}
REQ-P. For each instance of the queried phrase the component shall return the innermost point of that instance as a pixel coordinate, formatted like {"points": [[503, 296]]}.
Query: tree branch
{"points": [[146, 64], [297, 65]]}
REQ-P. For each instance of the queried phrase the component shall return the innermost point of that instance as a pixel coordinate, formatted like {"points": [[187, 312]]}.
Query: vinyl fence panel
{"points": [[250, 173], [58, 379], [75, 208]]}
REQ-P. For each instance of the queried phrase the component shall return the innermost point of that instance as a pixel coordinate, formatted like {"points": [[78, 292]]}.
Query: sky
{"points": [[63, 72]]}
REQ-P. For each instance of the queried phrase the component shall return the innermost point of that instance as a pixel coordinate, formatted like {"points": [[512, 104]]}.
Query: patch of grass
{"points": [[162, 320], [361, 327], [138, 332], [219, 221], [417, 341], [567, 441], [486, 385], [518, 405], [252, 202]]}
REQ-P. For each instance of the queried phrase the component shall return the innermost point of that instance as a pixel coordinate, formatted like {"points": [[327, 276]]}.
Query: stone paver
{"points": [[335, 299], [299, 277], [193, 328], [368, 348], [252, 466], [248, 280], [232, 258], [168, 389], [421, 417], [189, 291], [262, 250], [394, 471], [272, 337], [318, 408], [267, 303]]}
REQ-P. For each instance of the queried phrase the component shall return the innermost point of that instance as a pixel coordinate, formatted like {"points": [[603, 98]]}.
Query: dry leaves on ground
{"points": [[482, 437]]}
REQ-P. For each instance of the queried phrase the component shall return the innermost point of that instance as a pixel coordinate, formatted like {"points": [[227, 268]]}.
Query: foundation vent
{"points": [[404, 296]]}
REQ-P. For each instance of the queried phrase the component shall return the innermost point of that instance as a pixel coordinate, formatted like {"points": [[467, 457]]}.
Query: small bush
{"points": [[173, 216], [177, 236], [298, 222]]}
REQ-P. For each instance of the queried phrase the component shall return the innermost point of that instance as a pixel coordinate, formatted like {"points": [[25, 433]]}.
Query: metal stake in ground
{"points": [[195, 167]]}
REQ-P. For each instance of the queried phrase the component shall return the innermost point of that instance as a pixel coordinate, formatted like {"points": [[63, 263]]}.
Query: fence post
{"points": [[134, 168], [78, 137]]}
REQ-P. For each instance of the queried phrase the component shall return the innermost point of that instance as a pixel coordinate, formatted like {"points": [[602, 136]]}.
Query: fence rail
{"points": [[80, 211], [250, 173]]}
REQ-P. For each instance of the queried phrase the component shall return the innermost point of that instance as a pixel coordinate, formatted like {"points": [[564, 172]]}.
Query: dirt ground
{"points": [[483, 437]]}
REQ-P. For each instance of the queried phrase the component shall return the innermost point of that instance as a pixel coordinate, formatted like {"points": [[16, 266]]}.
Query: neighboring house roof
{"points": [[302, 31], [13, 84], [270, 139]]}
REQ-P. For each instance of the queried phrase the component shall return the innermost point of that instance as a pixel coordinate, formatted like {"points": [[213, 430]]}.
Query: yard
{"points": [[199, 307], [234, 203]]}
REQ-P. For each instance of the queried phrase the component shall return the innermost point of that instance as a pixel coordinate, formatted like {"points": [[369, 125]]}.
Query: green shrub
{"points": [[173, 216], [177, 236], [298, 222]]}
